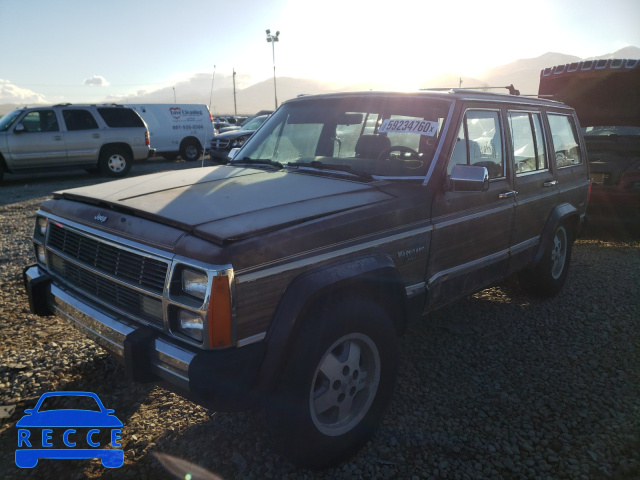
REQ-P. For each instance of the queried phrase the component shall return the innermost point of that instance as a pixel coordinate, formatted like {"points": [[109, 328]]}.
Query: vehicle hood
{"points": [[603, 92], [225, 203], [231, 134]]}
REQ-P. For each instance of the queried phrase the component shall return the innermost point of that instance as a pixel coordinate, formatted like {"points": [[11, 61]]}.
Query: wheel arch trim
{"points": [[564, 213]]}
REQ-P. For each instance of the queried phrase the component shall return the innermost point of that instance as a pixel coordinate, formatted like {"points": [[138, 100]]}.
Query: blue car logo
{"points": [[71, 425]]}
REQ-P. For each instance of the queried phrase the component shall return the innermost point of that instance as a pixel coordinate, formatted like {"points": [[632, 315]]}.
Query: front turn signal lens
{"points": [[220, 312]]}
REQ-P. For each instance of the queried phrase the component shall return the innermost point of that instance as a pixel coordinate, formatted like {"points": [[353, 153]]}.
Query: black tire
{"points": [[190, 150], [1, 171], [336, 385], [115, 162], [548, 277]]}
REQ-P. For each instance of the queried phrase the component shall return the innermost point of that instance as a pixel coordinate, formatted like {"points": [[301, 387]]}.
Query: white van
{"points": [[177, 128]]}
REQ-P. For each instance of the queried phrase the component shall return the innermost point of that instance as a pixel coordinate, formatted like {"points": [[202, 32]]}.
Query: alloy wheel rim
{"points": [[345, 384]]}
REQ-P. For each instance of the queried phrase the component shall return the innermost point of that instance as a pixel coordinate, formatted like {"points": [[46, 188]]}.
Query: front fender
{"points": [[369, 276]]}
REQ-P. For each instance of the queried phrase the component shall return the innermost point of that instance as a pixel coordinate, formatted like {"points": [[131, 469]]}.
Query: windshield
{"points": [[382, 135], [8, 119], [253, 124]]}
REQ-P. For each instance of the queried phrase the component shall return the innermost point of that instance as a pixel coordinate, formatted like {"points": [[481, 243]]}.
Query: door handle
{"points": [[57, 137], [509, 194], [96, 135], [550, 183]]}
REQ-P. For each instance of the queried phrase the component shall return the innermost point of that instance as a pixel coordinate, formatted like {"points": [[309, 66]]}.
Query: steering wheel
{"points": [[386, 153]]}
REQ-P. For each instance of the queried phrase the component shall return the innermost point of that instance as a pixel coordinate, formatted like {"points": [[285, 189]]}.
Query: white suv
{"points": [[105, 138]]}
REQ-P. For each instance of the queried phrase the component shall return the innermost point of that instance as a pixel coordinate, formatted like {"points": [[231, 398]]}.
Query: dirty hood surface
{"points": [[228, 203]]}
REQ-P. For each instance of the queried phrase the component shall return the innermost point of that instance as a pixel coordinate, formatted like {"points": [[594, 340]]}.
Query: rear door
{"points": [[534, 182], [83, 136], [40, 144], [472, 230]]}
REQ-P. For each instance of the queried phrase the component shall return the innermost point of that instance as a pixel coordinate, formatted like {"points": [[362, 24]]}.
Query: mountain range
{"points": [[523, 74]]}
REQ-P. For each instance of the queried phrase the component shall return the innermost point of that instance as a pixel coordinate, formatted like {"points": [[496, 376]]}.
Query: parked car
{"points": [[177, 128], [103, 138], [282, 281], [243, 121], [223, 143], [605, 95]]}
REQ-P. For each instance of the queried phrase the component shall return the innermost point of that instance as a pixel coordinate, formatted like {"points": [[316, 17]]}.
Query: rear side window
{"points": [[117, 117], [79, 120], [565, 140], [527, 142]]}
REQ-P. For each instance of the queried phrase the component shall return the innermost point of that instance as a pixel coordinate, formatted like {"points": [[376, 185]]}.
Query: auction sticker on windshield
{"points": [[69, 425], [421, 127]]}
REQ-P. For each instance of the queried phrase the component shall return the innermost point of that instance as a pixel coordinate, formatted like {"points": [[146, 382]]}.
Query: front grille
{"points": [[145, 272], [80, 260], [220, 144]]}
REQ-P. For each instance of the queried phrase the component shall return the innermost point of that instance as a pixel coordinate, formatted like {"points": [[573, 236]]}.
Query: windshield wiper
{"points": [[258, 161], [331, 166]]}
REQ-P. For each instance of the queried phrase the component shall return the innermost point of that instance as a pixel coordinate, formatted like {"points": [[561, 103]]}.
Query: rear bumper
{"points": [[222, 379]]}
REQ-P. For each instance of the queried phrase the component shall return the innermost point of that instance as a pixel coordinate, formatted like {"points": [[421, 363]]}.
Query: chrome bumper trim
{"points": [[169, 361]]}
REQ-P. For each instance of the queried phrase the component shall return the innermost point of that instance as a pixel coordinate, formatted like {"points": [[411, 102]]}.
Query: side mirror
{"points": [[469, 178], [19, 128], [232, 153]]}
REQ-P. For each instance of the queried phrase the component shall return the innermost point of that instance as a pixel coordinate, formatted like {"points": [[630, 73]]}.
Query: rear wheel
{"points": [[115, 162], [190, 150], [548, 277], [336, 384]]}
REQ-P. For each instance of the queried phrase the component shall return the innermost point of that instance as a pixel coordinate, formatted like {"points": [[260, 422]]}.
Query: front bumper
{"points": [[220, 378]]}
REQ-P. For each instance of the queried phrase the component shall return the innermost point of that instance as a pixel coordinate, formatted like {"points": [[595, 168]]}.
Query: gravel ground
{"points": [[496, 386]]}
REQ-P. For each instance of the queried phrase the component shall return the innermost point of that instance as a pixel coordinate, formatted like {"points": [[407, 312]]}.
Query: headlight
{"points": [[238, 142], [195, 282], [42, 223], [40, 253], [191, 325]]}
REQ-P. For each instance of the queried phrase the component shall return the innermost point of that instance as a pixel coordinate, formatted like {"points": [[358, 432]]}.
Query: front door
{"points": [[472, 230], [38, 141]]}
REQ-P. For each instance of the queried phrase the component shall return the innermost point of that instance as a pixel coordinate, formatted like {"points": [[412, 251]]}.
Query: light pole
{"points": [[273, 39], [235, 108]]}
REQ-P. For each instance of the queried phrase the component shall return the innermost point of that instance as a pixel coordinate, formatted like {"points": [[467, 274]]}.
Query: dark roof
{"points": [[603, 92]]}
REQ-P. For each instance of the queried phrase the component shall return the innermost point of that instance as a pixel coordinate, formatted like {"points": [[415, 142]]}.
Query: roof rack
{"points": [[512, 90]]}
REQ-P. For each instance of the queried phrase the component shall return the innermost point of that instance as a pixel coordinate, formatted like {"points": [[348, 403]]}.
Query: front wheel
{"points": [[115, 162], [548, 277], [336, 384], [190, 150]]}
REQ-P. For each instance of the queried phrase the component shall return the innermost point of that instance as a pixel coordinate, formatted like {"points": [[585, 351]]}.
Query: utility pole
{"points": [[213, 77]]}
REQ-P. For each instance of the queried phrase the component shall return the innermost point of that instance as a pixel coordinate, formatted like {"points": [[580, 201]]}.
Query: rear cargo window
{"points": [[117, 117], [565, 140]]}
